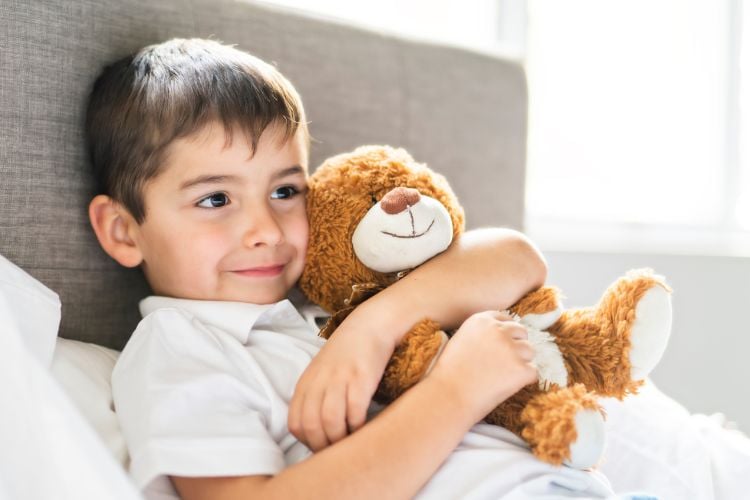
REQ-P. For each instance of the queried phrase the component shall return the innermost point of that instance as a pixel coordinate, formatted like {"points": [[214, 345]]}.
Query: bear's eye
{"points": [[373, 199]]}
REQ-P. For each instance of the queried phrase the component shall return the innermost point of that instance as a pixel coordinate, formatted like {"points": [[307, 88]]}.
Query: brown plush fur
{"points": [[541, 301], [594, 341], [340, 192], [545, 420], [549, 421], [410, 360]]}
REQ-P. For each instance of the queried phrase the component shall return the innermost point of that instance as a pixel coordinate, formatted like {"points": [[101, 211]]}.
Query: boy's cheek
{"points": [[303, 233]]}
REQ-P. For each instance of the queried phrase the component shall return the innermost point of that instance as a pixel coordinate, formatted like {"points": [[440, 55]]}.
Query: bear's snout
{"points": [[398, 199]]}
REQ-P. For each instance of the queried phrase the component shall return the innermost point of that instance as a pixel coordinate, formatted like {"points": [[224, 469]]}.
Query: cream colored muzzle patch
{"points": [[396, 242]]}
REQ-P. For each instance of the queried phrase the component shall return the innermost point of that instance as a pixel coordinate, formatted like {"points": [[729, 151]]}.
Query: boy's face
{"points": [[222, 225]]}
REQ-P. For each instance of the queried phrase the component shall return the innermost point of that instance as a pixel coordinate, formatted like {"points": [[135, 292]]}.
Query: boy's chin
{"points": [[247, 293], [256, 296]]}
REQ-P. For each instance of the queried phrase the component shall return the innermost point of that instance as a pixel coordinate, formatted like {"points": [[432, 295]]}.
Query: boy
{"points": [[200, 151]]}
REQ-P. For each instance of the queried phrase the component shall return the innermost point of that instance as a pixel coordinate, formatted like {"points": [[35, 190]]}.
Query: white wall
{"points": [[706, 365]]}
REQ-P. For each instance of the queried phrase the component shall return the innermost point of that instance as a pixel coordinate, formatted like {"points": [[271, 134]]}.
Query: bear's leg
{"points": [[610, 348], [650, 332], [640, 308], [562, 426], [412, 359], [565, 426]]}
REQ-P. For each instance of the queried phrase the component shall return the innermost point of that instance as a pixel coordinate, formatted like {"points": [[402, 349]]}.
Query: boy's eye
{"points": [[284, 192], [215, 200]]}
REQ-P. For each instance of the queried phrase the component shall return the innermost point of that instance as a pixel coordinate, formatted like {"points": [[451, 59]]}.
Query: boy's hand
{"points": [[486, 361], [333, 394]]}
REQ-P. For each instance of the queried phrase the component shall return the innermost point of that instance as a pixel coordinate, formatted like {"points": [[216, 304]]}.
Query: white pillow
{"points": [[32, 307], [83, 370], [48, 450]]}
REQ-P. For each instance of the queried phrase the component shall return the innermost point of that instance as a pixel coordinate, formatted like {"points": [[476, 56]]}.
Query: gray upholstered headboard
{"points": [[461, 112]]}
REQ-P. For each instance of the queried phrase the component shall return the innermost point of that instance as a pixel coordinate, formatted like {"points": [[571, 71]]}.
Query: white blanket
{"points": [[654, 444]]}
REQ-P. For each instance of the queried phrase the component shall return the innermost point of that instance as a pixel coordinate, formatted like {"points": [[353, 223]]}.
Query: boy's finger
{"points": [[526, 351], [294, 417], [311, 425], [333, 413], [518, 332], [356, 408]]}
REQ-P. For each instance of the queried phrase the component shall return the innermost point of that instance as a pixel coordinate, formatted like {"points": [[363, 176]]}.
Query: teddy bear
{"points": [[375, 214]]}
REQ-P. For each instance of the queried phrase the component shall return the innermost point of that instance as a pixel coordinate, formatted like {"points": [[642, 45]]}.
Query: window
{"points": [[633, 140], [635, 110], [742, 211]]}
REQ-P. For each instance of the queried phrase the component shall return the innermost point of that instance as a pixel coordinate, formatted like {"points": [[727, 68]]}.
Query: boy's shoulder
{"points": [[164, 333]]}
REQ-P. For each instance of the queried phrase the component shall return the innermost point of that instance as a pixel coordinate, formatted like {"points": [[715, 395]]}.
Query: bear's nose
{"points": [[397, 199]]}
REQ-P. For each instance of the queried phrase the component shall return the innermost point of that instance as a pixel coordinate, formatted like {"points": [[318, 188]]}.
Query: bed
{"points": [[66, 308]]}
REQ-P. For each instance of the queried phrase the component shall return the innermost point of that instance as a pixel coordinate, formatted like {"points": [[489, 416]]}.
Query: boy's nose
{"points": [[397, 199], [263, 229]]}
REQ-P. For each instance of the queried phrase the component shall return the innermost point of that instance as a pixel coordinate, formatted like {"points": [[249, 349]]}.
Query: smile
{"points": [[261, 272], [412, 235]]}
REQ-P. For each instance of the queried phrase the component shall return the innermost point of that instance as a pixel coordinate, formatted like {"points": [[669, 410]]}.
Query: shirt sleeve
{"points": [[187, 406]]}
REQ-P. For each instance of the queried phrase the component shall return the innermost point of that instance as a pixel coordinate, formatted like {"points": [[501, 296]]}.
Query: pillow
{"points": [[83, 370], [48, 450], [32, 307]]}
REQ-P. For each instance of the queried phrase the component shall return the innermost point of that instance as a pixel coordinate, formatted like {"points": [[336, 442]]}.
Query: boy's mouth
{"points": [[261, 272]]}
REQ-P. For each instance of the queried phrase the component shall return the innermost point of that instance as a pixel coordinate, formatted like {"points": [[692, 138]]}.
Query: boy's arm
{"points": [[487, 269], [399, 450]]}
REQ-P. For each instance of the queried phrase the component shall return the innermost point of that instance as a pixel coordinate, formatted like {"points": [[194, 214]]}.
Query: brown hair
{"points": [[142, 103]]}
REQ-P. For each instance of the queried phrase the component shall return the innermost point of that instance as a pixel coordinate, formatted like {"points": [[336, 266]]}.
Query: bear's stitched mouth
{"points": [[412, 235]]}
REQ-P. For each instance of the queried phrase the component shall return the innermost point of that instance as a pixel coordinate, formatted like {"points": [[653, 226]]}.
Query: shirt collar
{"points": [[237, 318]]}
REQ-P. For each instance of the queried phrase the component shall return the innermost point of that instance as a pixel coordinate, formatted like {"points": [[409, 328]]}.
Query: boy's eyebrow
{"points": [[218, 179], [293, 170], [207, 179]]}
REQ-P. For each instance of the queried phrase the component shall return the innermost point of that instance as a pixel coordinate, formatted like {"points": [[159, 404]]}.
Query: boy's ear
{"points": [[114, 228]]}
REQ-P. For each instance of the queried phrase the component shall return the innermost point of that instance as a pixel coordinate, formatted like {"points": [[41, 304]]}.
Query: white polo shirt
{"points": [[203, 388]]}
